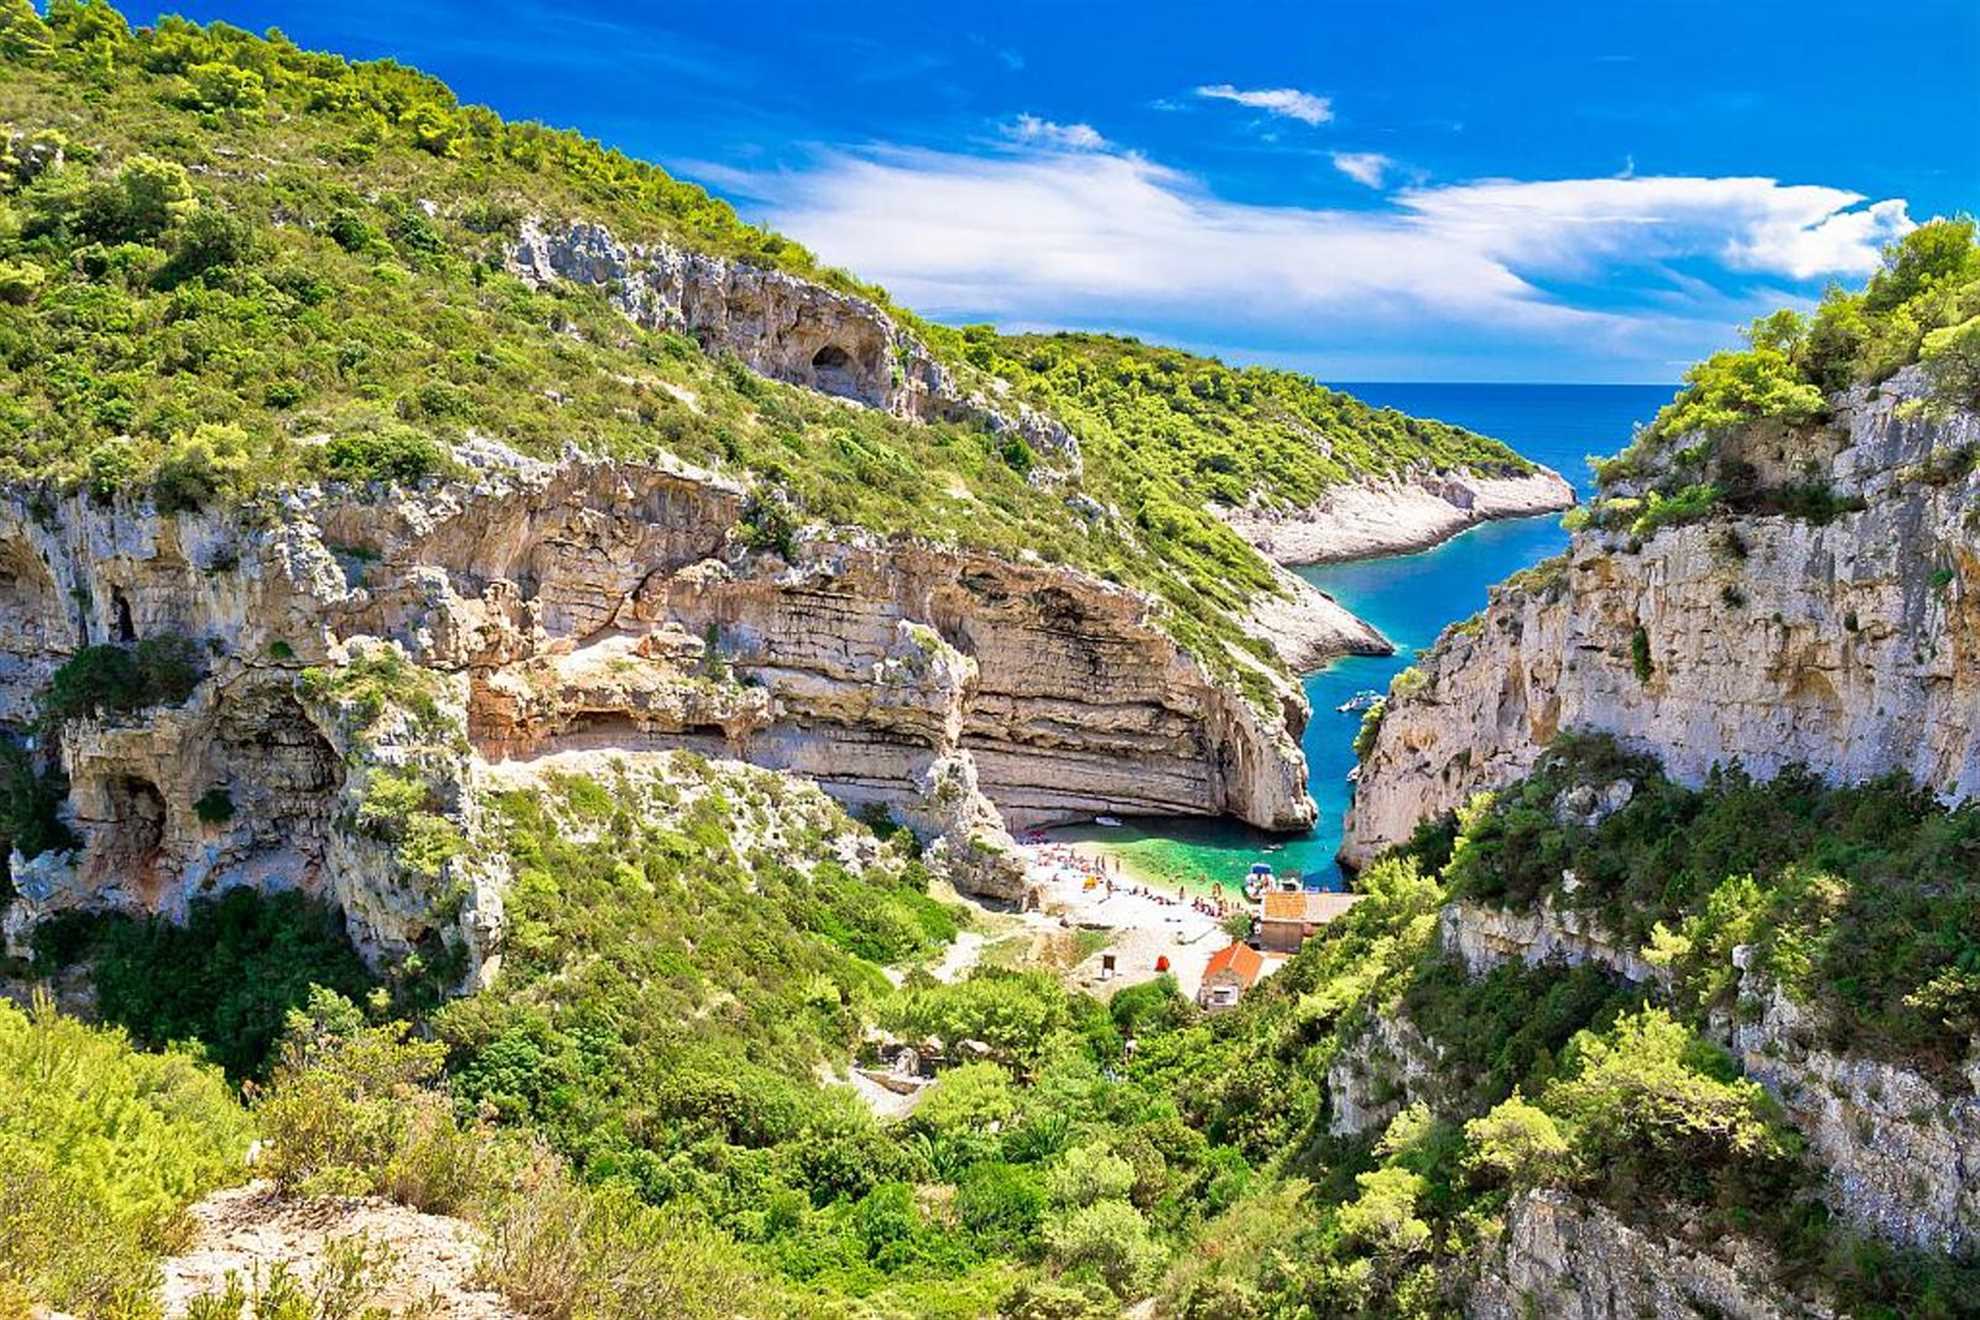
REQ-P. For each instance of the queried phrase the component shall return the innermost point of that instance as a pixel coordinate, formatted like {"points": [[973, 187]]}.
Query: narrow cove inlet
{"points": [[1410, 598]]}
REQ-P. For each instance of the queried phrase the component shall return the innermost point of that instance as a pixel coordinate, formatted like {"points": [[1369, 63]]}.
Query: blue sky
{"points": [[1367, 191]]}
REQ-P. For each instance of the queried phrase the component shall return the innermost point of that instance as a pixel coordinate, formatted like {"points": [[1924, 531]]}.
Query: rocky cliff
{"points": [[1395, 515], [1567, 1257], [1900, 1152], [783, 327], [1849, 641], [585, 605]]}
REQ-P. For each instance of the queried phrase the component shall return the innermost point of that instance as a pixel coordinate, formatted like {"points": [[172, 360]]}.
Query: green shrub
{"points": [[1640, 662], [226, 979], [215, 806], [350, 1111], [1369, 730], [30, 805], [101, 1147], [393, 452], [112, 680]]}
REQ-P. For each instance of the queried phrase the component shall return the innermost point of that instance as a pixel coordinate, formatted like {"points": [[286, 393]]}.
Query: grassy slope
{"points": [[1221, 433]]}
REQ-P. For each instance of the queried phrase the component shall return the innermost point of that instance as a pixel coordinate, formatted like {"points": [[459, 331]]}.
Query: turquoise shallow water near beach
{"points": [[1410, 598]]}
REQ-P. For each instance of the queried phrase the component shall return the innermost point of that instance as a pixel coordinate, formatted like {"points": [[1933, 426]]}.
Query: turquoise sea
{"points": [[1410, 598]]}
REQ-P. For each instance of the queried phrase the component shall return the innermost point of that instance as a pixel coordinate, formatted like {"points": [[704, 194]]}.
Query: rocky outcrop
{"points": [[1483, 938], [422, 1264], [1389, 1065], [784, 327], [584, 606], [1851, 646], [1562, 1256], [1394, 515], [1901, 1152], [1307, 627]]}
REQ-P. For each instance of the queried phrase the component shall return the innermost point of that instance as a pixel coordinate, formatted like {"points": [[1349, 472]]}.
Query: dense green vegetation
{"points": [[1861, 901], [101, 1148], [1220, 433], [639, 1094], [1922, 307], [227, 977]]}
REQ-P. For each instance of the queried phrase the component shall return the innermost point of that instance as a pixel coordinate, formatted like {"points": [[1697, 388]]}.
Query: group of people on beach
{"points": [[1104, 870]]}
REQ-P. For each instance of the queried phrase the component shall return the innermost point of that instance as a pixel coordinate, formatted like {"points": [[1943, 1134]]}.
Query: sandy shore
{"points": [[1394, 516], [1146, 924]]}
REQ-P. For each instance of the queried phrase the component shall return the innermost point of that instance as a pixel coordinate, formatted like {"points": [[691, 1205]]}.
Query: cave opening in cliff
{"points": [[126, 630], [137, 815], [29, 601], [832, 371]]}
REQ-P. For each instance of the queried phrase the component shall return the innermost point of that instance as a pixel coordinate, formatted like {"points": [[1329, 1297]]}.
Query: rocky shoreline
{"points": [[1395, 515]]}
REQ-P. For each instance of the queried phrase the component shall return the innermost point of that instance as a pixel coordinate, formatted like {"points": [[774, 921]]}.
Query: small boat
{"points": [[1359, 702], [1111, 822]]}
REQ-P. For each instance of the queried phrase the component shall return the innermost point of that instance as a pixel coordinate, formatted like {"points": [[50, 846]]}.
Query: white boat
{"points": [[1111, 822], [1359, 702]]}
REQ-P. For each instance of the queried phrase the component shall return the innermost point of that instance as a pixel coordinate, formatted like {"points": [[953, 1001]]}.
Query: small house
{"points": [[1232, 971], [1288, 919]]}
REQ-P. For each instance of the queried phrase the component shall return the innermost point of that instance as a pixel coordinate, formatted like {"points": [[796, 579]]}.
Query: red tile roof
{"points": [[1240, 959], [1315, 908]]}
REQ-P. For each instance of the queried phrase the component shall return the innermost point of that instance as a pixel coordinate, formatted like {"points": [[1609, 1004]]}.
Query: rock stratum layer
{"points": [[599, 606], [1852, 647], [1396, 515]]}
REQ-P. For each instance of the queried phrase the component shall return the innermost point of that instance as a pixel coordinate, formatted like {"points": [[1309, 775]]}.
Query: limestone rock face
{"points": [[1483, 938], [1852, 647], [784, 327], [585, 606], [1561, 1256], [1393, 515], [1901, 1151], [1386, 1067]]}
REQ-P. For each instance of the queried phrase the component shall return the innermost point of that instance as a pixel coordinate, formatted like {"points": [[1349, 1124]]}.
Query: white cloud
{"points": [[1364, 167], [1634, 271], [1286, 102], [1570, 226], [1063, 137]]}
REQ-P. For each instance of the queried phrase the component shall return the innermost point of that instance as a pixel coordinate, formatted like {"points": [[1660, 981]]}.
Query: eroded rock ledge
{"points": [[588, 606]]}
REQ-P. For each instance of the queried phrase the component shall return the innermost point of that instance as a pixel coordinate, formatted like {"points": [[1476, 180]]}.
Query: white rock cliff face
{"points": [[597, 606], [1852, 647], [1393, 515], [1562, 1256]]}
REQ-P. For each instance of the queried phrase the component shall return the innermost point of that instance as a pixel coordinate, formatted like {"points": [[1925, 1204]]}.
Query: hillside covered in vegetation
{"points": [[635, 1104], [1920, 311], [228, 264]]}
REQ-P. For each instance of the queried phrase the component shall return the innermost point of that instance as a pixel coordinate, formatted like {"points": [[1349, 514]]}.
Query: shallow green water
{"points": [[1410, 598]]}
